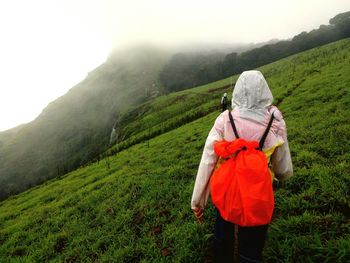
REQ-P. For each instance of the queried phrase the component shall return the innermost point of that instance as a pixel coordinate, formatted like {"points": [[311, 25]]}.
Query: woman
{"points": [[252, 110]]}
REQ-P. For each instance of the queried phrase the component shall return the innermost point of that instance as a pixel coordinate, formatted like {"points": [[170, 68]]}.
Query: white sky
{"points": [[48, 46]]}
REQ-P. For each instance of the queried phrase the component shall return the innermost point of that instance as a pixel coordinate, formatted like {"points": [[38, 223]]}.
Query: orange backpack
{"points": [[241, 187]]}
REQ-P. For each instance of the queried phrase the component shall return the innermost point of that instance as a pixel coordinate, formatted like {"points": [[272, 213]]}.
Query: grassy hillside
{"points": [[135, 206], [168, 112]]}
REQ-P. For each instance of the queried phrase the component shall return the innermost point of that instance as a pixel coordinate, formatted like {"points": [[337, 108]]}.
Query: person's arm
{"points": [[207, 164], [282, 162]]}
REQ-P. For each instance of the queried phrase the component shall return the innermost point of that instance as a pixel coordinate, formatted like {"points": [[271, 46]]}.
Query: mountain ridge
{"points": [[78, 122]]}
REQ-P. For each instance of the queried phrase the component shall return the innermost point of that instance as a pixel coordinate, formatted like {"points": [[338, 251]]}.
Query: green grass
{"points": [[135, 206]]}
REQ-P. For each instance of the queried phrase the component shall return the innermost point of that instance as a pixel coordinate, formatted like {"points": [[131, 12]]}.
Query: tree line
{"points": [[188, 70]]}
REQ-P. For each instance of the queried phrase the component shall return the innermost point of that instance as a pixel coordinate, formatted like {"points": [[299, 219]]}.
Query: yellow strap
{"points": [[268, 153]]}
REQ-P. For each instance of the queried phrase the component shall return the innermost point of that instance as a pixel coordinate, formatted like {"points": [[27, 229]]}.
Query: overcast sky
{"points": [[47, 46]]}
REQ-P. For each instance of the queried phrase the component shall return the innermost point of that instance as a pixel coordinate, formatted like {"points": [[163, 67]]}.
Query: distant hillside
{"points": [[135, 206], [187, 70], [75, 128], [192, 66]]}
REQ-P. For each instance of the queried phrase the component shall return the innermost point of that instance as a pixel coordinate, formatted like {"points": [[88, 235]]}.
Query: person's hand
{"points": [[199, 212]]}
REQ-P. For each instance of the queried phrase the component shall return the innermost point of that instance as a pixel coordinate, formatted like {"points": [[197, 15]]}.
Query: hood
{"points": [[252, 96]]}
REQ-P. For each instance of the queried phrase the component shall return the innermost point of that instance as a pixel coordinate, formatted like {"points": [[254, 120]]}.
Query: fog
{"points": [[48, 46], [196, 21]]}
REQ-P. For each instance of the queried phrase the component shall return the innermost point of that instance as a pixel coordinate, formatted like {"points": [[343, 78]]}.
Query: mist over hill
{"points": [[182, 72], [75, 128]]}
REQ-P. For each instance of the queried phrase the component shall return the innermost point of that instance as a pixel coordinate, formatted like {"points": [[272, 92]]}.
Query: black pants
{"points": [[251, 241]]}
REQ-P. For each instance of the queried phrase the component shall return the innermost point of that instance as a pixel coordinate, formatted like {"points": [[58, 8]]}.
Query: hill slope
{"points": [[75, 128], [135, 206]]}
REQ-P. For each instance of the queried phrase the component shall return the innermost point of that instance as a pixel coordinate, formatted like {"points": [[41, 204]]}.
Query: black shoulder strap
{"points": [[233, 124], [263, 138]]}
